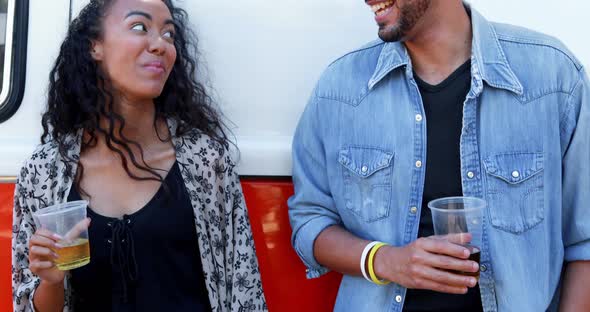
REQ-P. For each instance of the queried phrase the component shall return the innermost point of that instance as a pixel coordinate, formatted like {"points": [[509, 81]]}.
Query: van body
{"points": [[261, 61]]}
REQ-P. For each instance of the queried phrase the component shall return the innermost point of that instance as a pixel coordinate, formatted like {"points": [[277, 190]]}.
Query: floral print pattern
{"points": [[223, 228]]}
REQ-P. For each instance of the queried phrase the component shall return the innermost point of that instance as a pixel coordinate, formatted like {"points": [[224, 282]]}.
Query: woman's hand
{"points": [[42, 256]]}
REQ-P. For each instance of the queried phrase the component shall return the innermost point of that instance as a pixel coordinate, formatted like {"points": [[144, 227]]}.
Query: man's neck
{"points": [[442, 44]]}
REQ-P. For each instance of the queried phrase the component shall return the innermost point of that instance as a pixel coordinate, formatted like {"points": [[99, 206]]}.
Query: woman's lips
{"points": [[155, 67]]}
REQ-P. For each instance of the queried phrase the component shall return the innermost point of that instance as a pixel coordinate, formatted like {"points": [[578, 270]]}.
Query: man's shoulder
{"points": [[516, 39], [542, 63], [365, 51], [347, 76]]}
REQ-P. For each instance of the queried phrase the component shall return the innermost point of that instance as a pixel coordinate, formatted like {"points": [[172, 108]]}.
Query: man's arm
{"points": [[575, 186], [575, 291], [422, 264], [322, 242]]}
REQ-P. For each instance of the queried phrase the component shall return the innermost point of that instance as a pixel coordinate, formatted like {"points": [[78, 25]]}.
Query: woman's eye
{"points": [[139, 27], [169, 34]]}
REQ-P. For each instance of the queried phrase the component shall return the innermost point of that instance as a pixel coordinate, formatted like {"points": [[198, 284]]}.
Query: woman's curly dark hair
{"points": [[78, 96]]}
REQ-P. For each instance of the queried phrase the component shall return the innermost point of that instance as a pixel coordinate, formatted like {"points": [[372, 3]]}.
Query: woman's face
{"points": [[136, 51]]}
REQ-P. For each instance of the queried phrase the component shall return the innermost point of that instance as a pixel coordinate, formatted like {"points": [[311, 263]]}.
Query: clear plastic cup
{"points": [[459, 220], [67, 221]]}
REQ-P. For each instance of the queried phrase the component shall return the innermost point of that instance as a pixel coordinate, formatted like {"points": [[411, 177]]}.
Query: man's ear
{"points": [[96, 51]]}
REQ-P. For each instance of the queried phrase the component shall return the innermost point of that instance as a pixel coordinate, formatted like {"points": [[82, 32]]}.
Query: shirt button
{"points": [[515, 174], [398, 298], [483, 268], [364, 169], [418, 164], [470, 174], [414, 210], [418, 118]]}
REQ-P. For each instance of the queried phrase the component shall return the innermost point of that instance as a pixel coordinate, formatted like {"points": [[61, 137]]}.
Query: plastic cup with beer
{"points": [[459, 220], [68, 221]]}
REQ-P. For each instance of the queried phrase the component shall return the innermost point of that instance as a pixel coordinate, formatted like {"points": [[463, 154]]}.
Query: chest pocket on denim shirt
{"points": [[367, 181], [515, 190]]}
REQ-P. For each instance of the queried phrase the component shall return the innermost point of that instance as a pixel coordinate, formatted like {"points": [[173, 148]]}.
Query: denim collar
{"points": [[487, 58]]}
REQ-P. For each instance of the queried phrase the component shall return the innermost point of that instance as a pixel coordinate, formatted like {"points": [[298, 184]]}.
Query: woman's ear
{"points": [[96, 51]]}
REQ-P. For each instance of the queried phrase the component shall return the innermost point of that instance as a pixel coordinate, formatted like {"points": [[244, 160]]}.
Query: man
{"points": [[447, 104]]}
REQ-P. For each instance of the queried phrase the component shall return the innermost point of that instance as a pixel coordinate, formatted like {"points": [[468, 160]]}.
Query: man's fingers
{"points": [[447, 278], [451, 263], [432, 285], [458, 238], [443, 247]]}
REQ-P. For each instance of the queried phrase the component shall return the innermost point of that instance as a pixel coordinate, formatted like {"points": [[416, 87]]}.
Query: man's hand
{"points": [[425, 264]]}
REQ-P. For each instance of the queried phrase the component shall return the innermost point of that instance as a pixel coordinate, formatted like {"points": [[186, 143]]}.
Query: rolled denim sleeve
{"points": [[576, 174], [311, 208]]}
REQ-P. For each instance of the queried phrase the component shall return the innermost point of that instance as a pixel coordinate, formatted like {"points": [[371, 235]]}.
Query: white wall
{"points": [[568, 20], [264, 58]]}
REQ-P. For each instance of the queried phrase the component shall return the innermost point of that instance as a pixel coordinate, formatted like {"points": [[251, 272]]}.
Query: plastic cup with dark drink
{"points": [[459, 220]]}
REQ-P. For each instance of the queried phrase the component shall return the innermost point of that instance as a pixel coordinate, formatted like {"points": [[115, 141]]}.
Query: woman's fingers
{"points": [[43, 241], [77, 229], [41, 265], [46, 233], [42, 252]]}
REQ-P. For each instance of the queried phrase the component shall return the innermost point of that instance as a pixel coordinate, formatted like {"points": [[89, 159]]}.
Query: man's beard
{"points": [[410, 13]]}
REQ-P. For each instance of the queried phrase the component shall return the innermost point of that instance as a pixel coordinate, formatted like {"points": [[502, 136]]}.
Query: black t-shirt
{"points": [[146, 261], [443, 106]]}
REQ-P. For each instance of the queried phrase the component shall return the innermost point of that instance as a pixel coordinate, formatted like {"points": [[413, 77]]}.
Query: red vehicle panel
{"points": [[6, 195], [283, 274]]}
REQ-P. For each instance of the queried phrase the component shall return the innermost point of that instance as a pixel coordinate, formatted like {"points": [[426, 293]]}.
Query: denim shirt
{"points": [[360, 148]]}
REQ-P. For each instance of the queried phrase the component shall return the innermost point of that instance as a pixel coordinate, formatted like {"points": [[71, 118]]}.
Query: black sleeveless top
{"points": [[146, 261]]}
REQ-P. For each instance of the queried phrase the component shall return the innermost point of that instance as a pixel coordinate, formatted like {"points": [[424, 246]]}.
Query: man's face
{"points": [[397, 18]]}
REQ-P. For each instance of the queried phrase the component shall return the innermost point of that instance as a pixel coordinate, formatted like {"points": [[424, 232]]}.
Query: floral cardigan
{"points": [[223, 228]]}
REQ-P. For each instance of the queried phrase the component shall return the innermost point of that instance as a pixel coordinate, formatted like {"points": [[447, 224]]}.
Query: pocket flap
{"points": [[514, 167], [364, 161]]}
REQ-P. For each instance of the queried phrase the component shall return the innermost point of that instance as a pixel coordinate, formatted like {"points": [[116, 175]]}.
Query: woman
{"points": [[129, 129]]}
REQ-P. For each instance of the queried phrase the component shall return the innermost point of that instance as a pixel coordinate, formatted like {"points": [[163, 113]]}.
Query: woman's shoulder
{"points": [[197, 143], [205, 157], [44, 165], [34, 173], [49, 150], [42, 154]]}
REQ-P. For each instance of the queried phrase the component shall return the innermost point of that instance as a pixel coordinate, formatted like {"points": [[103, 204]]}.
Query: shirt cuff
{"points": [[578, 252], [304, 241]]}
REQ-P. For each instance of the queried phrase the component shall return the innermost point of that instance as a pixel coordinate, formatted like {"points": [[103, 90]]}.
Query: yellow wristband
{"points": [[370, 265]]}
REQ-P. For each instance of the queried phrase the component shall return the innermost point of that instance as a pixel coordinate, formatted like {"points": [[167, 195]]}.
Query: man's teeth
{"points": [[382, 6]]}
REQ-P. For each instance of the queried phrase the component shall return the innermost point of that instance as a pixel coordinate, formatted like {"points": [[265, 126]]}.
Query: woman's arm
{"points": [[49, 297], [247, 285], [32, 256]]}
